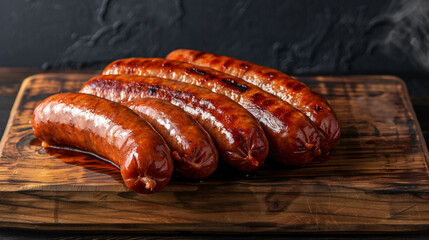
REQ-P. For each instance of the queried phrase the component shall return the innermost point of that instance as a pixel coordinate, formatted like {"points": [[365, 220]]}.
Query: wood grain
{"points": [[376, 181], [10, 82]]}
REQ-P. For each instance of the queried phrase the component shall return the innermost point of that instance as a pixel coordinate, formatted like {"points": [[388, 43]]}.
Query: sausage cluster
{"points": [[191, 109]]}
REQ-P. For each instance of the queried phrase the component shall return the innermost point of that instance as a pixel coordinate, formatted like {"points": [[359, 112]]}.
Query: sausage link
{"points": [[109, 130], [292, 136], [273, 81], [238, 136], [192, 148]]}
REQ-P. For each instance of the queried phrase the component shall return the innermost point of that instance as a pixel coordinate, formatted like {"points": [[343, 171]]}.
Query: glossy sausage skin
{"points": [[293, 138], [109, 130], [192, 148], [238, 136], [283, 86]]}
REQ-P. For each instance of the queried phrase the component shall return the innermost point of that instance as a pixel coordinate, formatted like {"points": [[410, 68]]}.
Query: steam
{"points": [[409, 31]]}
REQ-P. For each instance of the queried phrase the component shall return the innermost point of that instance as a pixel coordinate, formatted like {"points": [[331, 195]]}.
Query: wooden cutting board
{"points": [[376, 181]]}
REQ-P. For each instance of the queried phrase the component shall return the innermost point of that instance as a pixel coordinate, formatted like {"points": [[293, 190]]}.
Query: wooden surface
{"points": [[376, 181]]}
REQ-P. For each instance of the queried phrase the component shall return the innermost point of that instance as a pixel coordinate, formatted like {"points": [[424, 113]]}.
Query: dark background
{"points": [[298, 37]]}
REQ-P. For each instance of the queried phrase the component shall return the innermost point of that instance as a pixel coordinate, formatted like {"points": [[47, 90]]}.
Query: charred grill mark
{"points": [[317, 108], [143, 89], [182, 95], [206, 75], [245, 66], [271, 75], [294, 86], [257, 97], [260, 100], [166, 64], [214, 62], [152, 90], [198, 55], [267, 103], [237, 86], [117, 63], [164, 91], [134, 63], [227, 64], [197, 71]]}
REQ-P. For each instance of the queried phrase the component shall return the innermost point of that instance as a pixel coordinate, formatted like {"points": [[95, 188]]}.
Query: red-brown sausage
{"points": [[273, 81], [192, 148], [109, 130], [292, 136], [238, 136]]}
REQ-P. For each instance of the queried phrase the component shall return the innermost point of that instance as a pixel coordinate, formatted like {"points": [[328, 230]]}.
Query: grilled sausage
{"points": [[292, 136], [109, 130], [238, 136], [273, 81], [192, 148]]}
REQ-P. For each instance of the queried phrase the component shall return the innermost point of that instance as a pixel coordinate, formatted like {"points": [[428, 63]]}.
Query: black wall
{"points": [[299, 37]]}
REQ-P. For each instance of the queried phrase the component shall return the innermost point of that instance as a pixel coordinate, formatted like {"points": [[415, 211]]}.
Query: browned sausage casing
{"points": [[236, 133], [283, 86], [293, 138], [109, 130], [192, 148]]}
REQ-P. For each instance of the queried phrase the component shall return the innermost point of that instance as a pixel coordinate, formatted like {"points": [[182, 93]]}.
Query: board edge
{"points": [[13, 111]]}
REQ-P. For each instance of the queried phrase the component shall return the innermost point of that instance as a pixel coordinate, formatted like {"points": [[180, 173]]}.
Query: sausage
{"points": [[109, 130], [192, 148], [296, 93], [292, 136], [237, 135]]}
